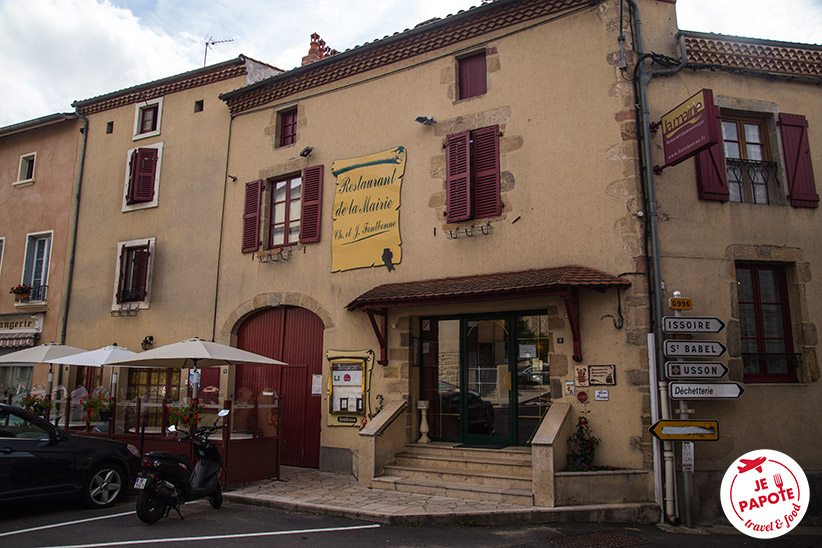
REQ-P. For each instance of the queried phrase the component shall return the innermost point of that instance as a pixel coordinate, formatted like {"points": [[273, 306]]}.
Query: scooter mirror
{"points": [[172, 428], [223, 413]]}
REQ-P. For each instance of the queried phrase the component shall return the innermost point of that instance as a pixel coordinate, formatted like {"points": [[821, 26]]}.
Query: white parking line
{"points": [[53, 525], [218, 537]]}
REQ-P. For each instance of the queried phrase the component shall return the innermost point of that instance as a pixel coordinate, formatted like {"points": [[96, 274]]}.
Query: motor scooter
{"points": [[168, 480]]}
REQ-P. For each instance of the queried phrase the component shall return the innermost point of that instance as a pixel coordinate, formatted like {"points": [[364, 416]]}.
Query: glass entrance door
{"points": [[487, 382], [486, 378]]}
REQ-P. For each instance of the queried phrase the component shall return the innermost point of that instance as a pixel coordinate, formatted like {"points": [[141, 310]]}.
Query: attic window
{"points": [[109, 128], [198, 106]]}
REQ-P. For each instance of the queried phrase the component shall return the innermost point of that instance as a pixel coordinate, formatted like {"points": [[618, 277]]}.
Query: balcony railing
{"points": [[752, 181], [38, 294], [776, 364]]}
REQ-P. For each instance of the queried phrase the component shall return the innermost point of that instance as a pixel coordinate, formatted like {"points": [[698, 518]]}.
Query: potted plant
{"points": [[95, 406], [583, 445], [39, 405], [21, 292], [189, 415]]}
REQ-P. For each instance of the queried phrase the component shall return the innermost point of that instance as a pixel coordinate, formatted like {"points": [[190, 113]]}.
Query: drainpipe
{"points": [[73, 241], [644, 77]]}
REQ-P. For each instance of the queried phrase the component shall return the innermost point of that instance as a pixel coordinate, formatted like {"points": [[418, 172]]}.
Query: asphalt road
{"points": [[67, 525]]}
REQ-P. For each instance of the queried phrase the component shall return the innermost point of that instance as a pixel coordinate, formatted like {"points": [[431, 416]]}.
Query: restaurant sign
{"points": [[689, 128], [366, 212]]}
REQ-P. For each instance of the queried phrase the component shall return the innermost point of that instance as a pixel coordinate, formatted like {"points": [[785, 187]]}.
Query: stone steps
{"points": [[450, 470]]}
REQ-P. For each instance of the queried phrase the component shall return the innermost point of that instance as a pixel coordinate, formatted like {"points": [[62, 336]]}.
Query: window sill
{"points": [[20, 184], [145, 135], [30, 304]]}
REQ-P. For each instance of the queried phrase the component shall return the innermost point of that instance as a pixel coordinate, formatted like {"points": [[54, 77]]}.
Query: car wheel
{"points": [[216, 497], [104, 485], [150, 506]]}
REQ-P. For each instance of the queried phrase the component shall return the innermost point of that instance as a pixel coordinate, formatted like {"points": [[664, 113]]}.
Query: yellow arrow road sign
{"points": [[686, 430]]}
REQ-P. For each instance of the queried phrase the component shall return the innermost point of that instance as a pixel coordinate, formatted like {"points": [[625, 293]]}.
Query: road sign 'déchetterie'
{"points": [[681, 390]]}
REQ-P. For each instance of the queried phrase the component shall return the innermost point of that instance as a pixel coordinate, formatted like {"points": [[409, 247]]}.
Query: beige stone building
{"points": [[460, 214], [463, 222], [148, 234], [38, 160]]}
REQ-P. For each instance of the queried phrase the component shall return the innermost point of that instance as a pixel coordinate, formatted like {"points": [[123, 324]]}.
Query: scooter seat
{"points": [[173, 456]]}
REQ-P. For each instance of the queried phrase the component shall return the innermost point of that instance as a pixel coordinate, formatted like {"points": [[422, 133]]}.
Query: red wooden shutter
{"points": [[141, 258], [487, 202], [472, 81], [798, 160], [711, 176], [312, 204], [123, 266], [458, 177], [251, 216], [143, 172]]}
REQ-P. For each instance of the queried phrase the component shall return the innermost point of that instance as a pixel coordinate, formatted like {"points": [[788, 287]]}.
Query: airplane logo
{"points": [[751, 464]]}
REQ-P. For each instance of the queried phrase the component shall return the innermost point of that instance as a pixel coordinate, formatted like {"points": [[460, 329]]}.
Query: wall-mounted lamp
{"points": [[306, 152], [425, 120], [147, 343], [233, 178]]}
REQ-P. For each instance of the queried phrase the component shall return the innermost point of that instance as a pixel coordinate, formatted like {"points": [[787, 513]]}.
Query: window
{"points": [[740, 168], [472, 175], [284, 228], [294, 210], [471, 75], [26, 171], [134, 266], [2, 242], [142, 177], [152, 386], [198, 106], [751, 176], [765, 324], [36, 269], [109, 128], [147, 116], [288, 127]]}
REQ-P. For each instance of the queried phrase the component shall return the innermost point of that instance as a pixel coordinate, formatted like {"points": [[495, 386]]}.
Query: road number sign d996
{"points": [[678, 303]]}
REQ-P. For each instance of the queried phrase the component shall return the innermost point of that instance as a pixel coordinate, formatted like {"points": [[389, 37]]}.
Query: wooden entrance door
{"points": [[294, 336]]}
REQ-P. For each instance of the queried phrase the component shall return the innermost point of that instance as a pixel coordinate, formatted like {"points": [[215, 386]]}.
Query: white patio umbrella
{"points": [[44, 353], [98, 358], [191, 354]]}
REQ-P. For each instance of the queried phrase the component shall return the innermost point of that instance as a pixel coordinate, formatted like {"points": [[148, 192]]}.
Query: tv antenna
{"points": [[210, 41]]}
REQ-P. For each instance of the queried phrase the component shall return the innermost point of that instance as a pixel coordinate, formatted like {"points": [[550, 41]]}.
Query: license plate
{"points": [[140, 483]]}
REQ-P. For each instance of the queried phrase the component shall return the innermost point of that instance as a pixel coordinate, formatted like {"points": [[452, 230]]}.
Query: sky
{"points": [[54, 52]]}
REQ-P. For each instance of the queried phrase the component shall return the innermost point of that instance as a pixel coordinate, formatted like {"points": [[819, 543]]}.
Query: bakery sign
{"points": [[689, 128]]}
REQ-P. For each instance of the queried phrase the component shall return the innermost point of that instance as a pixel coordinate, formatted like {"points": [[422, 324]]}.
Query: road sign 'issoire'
{"points": [[686, 430], [692, 324]]}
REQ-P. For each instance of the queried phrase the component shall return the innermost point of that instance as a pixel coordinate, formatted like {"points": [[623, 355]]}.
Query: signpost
{"points": [[680, 390], [686, 430], [695, 370], [694, 349], [692, 324]]}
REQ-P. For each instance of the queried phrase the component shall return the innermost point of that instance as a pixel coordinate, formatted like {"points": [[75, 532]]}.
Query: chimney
{"points": [[317, 50]]}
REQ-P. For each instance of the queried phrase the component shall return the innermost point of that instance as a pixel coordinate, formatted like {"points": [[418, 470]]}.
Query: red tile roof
{"points": [[422, 39], [502, 285], [752, 54]]}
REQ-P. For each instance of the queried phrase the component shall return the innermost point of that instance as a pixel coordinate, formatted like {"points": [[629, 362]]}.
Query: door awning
{"points": [[563, 281], [16, 340]]}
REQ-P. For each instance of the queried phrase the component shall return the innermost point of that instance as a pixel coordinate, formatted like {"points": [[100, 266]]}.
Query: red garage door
{"points": [[294, 336]]}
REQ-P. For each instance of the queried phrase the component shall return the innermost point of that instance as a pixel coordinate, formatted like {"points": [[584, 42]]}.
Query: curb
{"points": [[612, 513]]}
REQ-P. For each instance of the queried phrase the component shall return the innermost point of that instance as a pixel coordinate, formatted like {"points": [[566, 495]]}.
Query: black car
{"points": [[39, 460]]}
